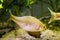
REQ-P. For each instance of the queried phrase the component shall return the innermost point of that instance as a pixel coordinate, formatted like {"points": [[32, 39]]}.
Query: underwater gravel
{"points": [[45, 35]]}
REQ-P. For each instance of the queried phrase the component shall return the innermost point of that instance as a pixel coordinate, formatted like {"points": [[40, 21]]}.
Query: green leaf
{"points": [[1, 0], [30, 2], [1, 6]]}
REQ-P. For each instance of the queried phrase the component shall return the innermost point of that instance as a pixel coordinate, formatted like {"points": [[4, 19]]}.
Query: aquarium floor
{"points": [[45, 35]]}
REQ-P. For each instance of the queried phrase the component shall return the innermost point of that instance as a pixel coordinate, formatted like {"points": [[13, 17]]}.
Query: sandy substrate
{"points": [[19, 35]]}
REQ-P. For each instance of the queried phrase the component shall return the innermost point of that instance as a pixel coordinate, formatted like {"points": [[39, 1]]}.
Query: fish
{"points": [[30, 24], [54, 16]]}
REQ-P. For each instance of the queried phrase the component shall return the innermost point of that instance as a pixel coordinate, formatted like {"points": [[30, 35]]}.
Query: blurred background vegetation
{"points": [[36, 8]]}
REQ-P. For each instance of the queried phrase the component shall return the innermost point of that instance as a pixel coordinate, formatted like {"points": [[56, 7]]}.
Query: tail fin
{"points": [[52, 16], [51, 11]]}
